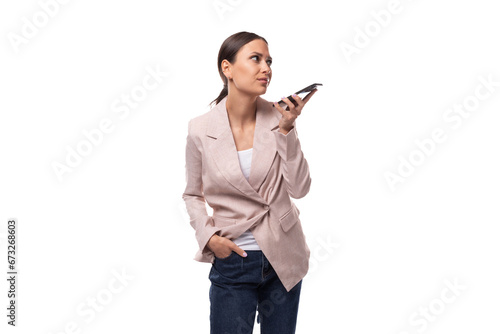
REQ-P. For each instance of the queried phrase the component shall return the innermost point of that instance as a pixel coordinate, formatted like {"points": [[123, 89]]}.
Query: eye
{"points": [[269, 62]]}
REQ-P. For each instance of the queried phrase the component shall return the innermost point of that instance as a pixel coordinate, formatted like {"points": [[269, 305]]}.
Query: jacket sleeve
{"points": [[193, 195], [295, 167]]}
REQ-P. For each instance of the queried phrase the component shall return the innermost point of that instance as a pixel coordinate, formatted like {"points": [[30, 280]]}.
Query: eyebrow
{"points": [[260, 54]]}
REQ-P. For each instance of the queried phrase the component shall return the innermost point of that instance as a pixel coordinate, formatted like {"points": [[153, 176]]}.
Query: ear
{"points": [[226, 69]]}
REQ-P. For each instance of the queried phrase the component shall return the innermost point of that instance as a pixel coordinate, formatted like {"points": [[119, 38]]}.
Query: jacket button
{"points": [[266, 206]]}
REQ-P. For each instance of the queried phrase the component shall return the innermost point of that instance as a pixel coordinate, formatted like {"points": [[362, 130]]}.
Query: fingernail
{"points": [[245, 254], [294, 95]]}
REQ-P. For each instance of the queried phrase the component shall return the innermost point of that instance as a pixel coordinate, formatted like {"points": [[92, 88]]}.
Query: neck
{"points": [[241, 110]]}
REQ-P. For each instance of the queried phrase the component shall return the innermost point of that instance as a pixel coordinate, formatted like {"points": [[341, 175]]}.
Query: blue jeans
{"points": [[240, 287]]}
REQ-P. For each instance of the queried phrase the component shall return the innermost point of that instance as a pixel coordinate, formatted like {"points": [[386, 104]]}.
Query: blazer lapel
{"points": [[223, 148]]}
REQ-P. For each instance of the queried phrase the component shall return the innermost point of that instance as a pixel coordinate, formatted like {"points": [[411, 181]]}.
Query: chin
{"points": [[260, 91]]}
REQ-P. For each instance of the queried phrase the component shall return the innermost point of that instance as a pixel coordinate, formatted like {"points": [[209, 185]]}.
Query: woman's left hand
{"points": [[291, 113]]}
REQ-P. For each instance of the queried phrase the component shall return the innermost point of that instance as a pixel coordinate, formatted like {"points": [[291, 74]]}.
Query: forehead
{"points": [[257, 45]]}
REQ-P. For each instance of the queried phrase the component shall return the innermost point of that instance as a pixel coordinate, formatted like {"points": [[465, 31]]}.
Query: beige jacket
{"points": [[262, 204]]}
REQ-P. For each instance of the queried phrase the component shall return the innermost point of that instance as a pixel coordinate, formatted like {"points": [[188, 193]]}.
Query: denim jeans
{"points": [[244, 286]]}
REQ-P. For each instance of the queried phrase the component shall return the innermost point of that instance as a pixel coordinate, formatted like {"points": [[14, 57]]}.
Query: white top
{"points": [[246, 241], [245, 161]]}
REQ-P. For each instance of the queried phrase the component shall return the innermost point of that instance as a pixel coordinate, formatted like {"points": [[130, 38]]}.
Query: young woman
{"points": [[244, 159]]}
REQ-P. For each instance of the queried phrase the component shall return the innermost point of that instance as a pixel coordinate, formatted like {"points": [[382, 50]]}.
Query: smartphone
{"points": [[299, 93]]}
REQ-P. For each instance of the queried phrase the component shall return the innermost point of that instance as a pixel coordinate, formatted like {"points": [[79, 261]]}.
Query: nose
{"points": [[266, 69]]}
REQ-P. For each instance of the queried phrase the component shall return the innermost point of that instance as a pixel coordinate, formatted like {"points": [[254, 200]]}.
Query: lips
{"points": [[263, 80]]}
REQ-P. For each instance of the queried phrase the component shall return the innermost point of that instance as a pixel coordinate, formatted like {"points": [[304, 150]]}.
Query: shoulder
{"points": [[199, 124]]}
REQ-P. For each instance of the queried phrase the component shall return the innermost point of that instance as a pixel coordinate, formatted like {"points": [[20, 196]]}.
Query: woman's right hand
{"points": [[222, 247]]}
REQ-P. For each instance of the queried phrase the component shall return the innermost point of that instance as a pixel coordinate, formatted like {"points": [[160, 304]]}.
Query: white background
{"points": [[379, 257]]}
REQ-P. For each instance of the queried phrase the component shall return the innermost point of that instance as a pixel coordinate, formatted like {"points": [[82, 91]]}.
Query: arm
{"points": [[193, 195], [295, 167]]}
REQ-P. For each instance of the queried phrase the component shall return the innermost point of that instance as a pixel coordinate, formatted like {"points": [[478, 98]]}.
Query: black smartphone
{"points": [[302, 91]]}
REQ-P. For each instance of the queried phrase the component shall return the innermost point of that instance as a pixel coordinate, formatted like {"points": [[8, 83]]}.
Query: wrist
{"points": [[285, 130], [211, 241]]}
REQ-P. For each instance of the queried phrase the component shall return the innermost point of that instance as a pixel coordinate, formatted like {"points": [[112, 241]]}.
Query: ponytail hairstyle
{"points": [[228, 51]]}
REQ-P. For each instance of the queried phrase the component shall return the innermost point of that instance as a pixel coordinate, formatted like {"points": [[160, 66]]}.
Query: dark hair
{"points": [[228, 51]]}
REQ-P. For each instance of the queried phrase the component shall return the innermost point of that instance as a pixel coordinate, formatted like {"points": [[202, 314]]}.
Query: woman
{"points": [[243, 158]]}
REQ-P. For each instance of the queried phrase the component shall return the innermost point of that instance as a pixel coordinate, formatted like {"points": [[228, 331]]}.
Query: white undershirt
{"points": [[246, 241]]}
